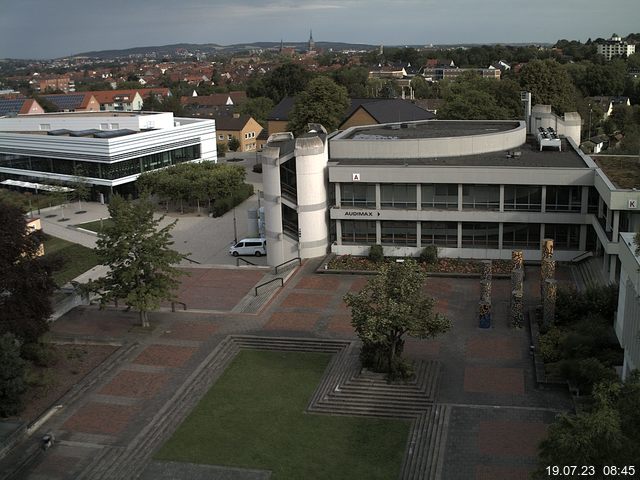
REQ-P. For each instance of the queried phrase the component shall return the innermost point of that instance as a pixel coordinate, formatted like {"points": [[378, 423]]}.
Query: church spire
{"points": [[312, 44]]}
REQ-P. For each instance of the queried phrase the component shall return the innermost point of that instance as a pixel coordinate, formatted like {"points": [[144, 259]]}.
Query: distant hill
{"points": [[215, 48]]}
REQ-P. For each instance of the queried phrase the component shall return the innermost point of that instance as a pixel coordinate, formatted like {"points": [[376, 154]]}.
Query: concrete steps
{"points": [[424, 456], [591, 275]]}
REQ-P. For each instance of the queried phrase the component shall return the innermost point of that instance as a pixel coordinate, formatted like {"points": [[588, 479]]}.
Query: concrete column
{"points": [[600, 206], [608, 221], [501, 205], [378, 197], [612, 268], [500, 232], [419, 234], [272, 205], [459, 234], [616, 225], [311, 164], [419, 197], [582, 245], [542, 233], [378, 232], [584, 207], [338, 195], [543, 200], [459, 197], [339, 232]]}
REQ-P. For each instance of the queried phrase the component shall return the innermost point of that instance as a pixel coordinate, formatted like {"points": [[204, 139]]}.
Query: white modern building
{"points": [[615, 47], [110, 149], [627, 324]]}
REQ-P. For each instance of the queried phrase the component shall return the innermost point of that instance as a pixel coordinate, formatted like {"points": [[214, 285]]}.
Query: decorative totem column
{"points": [[517, 259], [517, 308], [484, 314], [484, 306], [549, 301], [546, 269]]}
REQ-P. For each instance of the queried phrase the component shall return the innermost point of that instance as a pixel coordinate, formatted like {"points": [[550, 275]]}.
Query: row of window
{"points": [[107, 171], [474, 197], [474, 235]]}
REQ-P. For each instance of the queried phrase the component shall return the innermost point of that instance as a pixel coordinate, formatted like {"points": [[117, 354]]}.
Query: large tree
{"points": [[391, 305], [25, 279], [12, 369], [323, 101], [138, 252], [549, 84], [606, 434]]}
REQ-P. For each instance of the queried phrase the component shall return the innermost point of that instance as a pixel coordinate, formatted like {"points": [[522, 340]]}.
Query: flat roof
{"points": [[622, 170], [529, 156], [430, 129]]}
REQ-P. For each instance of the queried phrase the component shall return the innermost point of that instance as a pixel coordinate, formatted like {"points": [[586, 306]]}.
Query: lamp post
{"points": [[590, 110], [235, 227]]}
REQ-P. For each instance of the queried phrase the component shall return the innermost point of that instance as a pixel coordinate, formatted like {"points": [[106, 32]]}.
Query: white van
{"points": [[249, 246]]}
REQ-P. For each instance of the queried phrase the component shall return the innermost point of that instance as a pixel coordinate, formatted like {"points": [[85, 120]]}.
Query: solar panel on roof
{"points": [[65, 102], [11, 106]]}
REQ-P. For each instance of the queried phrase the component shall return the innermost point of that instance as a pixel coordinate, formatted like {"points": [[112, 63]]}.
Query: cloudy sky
{"points": [[55, 28]]}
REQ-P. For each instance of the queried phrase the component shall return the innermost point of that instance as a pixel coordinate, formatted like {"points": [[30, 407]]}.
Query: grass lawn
{"points": [[78, 259], [253, 417], [95, 226]]}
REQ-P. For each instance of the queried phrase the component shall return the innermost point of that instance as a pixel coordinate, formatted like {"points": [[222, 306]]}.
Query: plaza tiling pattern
{"points": [[480, 369]]}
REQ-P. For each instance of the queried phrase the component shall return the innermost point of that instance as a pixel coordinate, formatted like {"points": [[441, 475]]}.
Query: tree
{"points": [[12, 369], [258, 108], [354, 79], [81, 187], [25, 279], [286, 80], [323, 101], [233, 144], [607, 434], [139, 256], [549, 84], [391, 305]]}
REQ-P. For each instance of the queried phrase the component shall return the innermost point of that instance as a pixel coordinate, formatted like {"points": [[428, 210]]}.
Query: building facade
{"points": [[109, 150], [615, 47]]}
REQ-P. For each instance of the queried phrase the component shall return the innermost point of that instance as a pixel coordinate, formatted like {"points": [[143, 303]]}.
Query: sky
{"points": [[57, 28]]}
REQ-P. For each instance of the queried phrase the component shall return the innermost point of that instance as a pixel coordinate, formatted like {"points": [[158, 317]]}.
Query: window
{"points": [[565, 237], [523, 198], [104, 126], [399, 233], [289, 221], [229, 137], [481, 197], [358, 232], [563, 199], [288, 179], [480, 235], [115, 126], [442, 234], [521, 235], [45, 126], [440, 196], [361, 195], [401, 195], [220, 137]]}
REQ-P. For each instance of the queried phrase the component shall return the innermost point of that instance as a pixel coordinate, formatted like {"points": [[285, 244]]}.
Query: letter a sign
{"points": [[355, 177]]}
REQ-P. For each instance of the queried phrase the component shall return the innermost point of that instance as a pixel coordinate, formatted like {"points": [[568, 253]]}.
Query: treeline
{"points": [[218, 186]]}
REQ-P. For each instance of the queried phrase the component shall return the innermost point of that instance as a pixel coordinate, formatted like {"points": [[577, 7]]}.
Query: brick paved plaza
{"points": [[498, 416]]}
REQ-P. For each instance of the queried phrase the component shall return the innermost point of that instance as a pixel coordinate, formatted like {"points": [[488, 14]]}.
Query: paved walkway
{"points": [[497, 414]]}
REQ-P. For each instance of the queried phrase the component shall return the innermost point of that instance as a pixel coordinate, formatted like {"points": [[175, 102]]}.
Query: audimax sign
{"points": [[360, 213]]}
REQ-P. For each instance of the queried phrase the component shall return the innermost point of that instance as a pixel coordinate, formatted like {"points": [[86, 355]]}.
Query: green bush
{"points": [[223, 205], [584, 373], [429, 254], [550, 344], [376, 254], [12, 371], [572, 306], [40, 354]]}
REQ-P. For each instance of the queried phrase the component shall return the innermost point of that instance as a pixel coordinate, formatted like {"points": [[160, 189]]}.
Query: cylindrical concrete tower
{"points": [[272, 204], [311, 172]]}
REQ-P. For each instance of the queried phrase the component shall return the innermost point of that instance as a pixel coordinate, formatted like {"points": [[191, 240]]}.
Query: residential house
{"points": [[242, 127], [57, 83], [73, 102], [615, 47], [19, 106]]}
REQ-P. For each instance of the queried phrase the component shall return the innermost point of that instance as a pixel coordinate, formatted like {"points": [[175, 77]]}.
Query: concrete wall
{"points": [[343, 147], [276, 251], [85, 121], [627, 323], [569, 126]]}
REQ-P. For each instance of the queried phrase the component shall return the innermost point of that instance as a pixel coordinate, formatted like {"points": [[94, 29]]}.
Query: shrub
{"points": [[550, 344], [584, 373], [572, 306], [376, 254], [222, 149], [40, 354], [429, 254]]}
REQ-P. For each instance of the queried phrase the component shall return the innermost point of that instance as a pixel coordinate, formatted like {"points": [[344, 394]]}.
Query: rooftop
{"points": [[623, 171], [431, 129], [527, 155]]}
